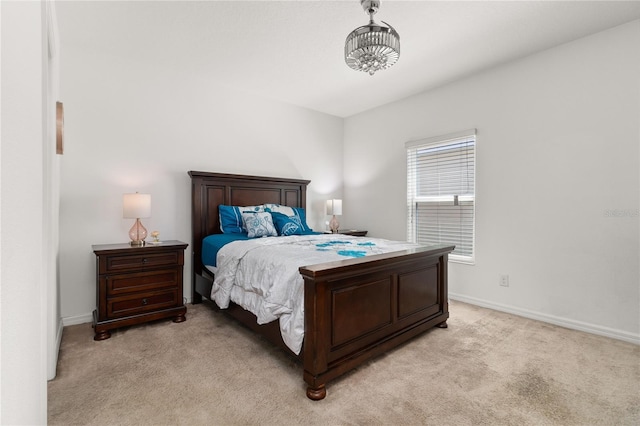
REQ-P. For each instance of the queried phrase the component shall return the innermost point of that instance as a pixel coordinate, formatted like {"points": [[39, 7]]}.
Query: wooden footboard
{"points": [[358, 308]]}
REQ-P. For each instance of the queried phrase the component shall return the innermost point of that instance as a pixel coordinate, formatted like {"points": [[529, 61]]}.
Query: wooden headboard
{"points": [[209, 190]]}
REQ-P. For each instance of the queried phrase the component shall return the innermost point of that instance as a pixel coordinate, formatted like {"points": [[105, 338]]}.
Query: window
{"points": [[441, 192]]}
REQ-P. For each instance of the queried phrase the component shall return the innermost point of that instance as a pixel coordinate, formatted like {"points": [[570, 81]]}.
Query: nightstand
{"points": [[137, 285], [354, 232]]}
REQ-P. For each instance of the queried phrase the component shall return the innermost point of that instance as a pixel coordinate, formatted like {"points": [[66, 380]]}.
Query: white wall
{"points": [[130, 126], [558, 180], [23, 297]]}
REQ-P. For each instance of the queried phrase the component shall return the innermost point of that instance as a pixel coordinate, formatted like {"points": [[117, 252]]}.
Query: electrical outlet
{"points": [[504, 280]]}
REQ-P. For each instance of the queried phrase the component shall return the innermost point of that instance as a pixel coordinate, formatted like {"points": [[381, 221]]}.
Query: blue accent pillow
{"points": [[302, 216], [287, 225], [259, 224], [296, 214], [231, 218]]}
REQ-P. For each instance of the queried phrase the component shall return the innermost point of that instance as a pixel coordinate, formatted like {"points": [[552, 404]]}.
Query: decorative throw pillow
{"points": [[231, 218], [259, 224], [287, 225], [295, 214]]}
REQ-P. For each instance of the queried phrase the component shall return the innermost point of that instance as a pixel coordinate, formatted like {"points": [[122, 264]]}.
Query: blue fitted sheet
{"points": [[212, 243]]}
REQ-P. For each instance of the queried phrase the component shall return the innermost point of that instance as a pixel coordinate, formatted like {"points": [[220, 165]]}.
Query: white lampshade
{"points": [[136, 205], [334, 207]]}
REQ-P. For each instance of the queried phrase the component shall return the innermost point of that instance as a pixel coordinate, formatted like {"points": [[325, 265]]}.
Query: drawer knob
{"points": [[144, 260], [144, 302]]}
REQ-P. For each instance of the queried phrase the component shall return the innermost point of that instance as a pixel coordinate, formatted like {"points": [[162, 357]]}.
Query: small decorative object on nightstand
{"points": [[137, 284]]}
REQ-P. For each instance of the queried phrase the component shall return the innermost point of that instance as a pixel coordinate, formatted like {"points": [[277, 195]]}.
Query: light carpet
{"points": [[487, 368]]}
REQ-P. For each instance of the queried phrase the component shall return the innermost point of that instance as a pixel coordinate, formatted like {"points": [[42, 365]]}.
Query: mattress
{"points": [[213, 243]]}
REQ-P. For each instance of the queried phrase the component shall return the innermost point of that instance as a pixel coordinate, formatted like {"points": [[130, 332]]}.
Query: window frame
{"points": [[412, 147]]}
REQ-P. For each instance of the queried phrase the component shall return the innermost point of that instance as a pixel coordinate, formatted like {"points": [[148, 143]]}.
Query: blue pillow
{"points": [[259, 224], [231, 218], [295, 212], [290, 225], [287, 225], [302, 216]]}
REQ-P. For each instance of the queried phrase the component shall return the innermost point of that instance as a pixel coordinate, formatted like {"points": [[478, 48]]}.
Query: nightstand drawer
{"points": [[118, 284], [135, 262], [139, 304]]}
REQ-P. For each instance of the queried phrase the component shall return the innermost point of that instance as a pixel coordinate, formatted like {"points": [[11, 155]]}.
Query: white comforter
{"points": [[261, 274]]}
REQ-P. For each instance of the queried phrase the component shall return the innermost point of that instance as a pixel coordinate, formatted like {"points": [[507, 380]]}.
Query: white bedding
{"points": [[261, 274]]}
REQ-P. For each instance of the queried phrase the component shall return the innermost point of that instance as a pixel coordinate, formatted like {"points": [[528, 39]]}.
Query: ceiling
{"points": [[292, 51]]}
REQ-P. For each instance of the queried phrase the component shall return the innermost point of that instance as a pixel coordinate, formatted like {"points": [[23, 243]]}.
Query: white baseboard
{"points": [[77, 319], [85, 318], [551, 319]]}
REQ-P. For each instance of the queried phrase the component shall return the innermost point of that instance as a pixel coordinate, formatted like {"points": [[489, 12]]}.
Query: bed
{"points": [[354, 309]]}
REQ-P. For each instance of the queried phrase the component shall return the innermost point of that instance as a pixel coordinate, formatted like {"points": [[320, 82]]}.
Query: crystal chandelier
{"points": [[372, 47]]}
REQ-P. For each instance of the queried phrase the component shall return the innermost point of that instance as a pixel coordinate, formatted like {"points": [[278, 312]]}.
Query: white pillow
{"points": [[259, 224], [277, 208]]}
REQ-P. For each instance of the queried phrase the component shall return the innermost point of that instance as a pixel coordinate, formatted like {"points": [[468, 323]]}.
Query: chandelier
{"points": [[372, 47]]}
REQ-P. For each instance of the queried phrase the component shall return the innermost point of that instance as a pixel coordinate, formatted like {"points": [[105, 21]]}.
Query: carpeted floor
{"points": [[487, 368]]}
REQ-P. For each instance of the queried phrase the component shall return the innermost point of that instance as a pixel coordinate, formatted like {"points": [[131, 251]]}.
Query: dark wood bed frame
{"points": [[354, 309]]}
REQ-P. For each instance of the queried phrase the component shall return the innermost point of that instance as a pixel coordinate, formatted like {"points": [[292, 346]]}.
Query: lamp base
{"points": [[137, 233], [334, 225]]}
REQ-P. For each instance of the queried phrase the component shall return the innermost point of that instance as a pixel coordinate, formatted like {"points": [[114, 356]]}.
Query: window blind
{"points": [[441, 192]]}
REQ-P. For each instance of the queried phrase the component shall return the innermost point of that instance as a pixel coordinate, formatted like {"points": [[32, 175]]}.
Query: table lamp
{"points": [[135, 206], [334, 207]]}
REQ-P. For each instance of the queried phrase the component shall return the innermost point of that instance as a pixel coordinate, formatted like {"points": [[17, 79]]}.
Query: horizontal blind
{"points": [[443, 222], [441, 192]]}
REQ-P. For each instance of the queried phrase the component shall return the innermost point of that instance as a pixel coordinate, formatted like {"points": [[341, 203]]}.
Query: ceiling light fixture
{"points": [[372, 47]]}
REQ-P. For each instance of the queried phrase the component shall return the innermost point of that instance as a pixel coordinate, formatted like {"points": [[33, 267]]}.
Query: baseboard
{"points": [[85, 318], [551, 319], [77, 319]]}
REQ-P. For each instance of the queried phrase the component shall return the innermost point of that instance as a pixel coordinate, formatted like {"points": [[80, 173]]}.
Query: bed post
{"points": [[314, 351], [196, 234]]}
